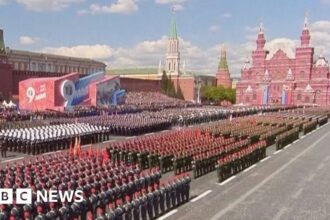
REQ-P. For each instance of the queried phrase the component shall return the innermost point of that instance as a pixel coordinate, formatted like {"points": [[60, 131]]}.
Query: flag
{"points": [[90, 151], [79, 148], [98, 152], [105, 156], [75, 147], [70, 150]]}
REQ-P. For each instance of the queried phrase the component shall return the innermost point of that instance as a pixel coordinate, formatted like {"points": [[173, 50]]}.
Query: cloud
{"points": [[120, 7], [287, 45], [320, 37], [98, 51], [26, 40], [322, 25], [47, 5], [227, 15], [252, 29], [214, 28], [178, 5]]}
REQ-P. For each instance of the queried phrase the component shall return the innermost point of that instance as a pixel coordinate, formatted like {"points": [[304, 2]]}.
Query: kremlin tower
{"points": [[172, 61], [223, 74]]}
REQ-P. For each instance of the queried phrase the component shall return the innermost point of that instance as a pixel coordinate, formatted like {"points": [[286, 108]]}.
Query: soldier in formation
{"points": [[106, 192], [43, 139]]}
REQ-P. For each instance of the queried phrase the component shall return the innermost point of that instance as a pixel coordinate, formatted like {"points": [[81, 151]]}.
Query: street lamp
{"points": [[198, 81]]}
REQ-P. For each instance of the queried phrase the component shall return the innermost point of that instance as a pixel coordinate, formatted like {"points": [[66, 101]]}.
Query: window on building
{"points": [[50, 67], [299, 97], [307, 99], [247, 99], [302, 74], [16, 66], [34, 67], [22, 66], [254, 96]]}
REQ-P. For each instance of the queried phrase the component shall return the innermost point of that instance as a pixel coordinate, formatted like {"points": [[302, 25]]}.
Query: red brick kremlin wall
{"points": [[6, 80]]}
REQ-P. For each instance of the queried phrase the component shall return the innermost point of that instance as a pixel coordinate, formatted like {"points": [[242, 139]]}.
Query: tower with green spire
{"points": [[173, 32], [172, 62], [223, 65], [223, 74], [2, 44]]}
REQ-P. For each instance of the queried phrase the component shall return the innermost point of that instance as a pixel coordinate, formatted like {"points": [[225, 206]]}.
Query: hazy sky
{"points": [[132, 33]]}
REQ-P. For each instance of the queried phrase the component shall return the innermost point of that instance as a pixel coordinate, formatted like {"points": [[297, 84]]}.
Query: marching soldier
{"points": [[136, 206], [150, 204], [3, 147], [168, 191], [128, 208], [110, 215], [162, 198], [144, 201], [119, 211], [156, 195]]}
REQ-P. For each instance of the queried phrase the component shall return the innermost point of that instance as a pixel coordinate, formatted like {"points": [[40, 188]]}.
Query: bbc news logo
{"points": [[24, 196]]}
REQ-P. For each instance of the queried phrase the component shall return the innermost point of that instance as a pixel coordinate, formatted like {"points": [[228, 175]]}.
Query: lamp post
{"points": [[198, 81]]}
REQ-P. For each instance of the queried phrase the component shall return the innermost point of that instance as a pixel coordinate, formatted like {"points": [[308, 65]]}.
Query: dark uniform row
{"points": [[105, 186]]}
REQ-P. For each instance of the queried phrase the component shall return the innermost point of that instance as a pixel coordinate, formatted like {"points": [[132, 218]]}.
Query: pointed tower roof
{"points": [[305, 36], [173, 32], [266, 77], [309, 88], [289, 76], [261, 28], [321, 61], [223, 65], [247, 64], [306, 21], [261, 37]]}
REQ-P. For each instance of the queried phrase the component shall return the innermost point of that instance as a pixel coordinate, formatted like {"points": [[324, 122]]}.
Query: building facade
{"points": [[43, 62], [283, 80], [25, 64]]}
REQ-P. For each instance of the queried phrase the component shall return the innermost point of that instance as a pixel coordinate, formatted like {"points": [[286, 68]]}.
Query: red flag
{"points": [[79, 148], [90, 151], [70, 150], [75, 147], [105, 155], [98, 152]]}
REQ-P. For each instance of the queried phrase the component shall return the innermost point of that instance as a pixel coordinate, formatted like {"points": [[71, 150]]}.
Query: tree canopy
{"points": [[168, 88], [218, 94]]}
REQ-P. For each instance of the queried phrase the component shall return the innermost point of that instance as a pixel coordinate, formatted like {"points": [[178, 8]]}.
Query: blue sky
{"points": [[132, 33]]}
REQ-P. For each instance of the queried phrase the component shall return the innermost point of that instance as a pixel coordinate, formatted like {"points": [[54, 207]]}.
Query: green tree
{"points": [[218, 94], [164, 81]]}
